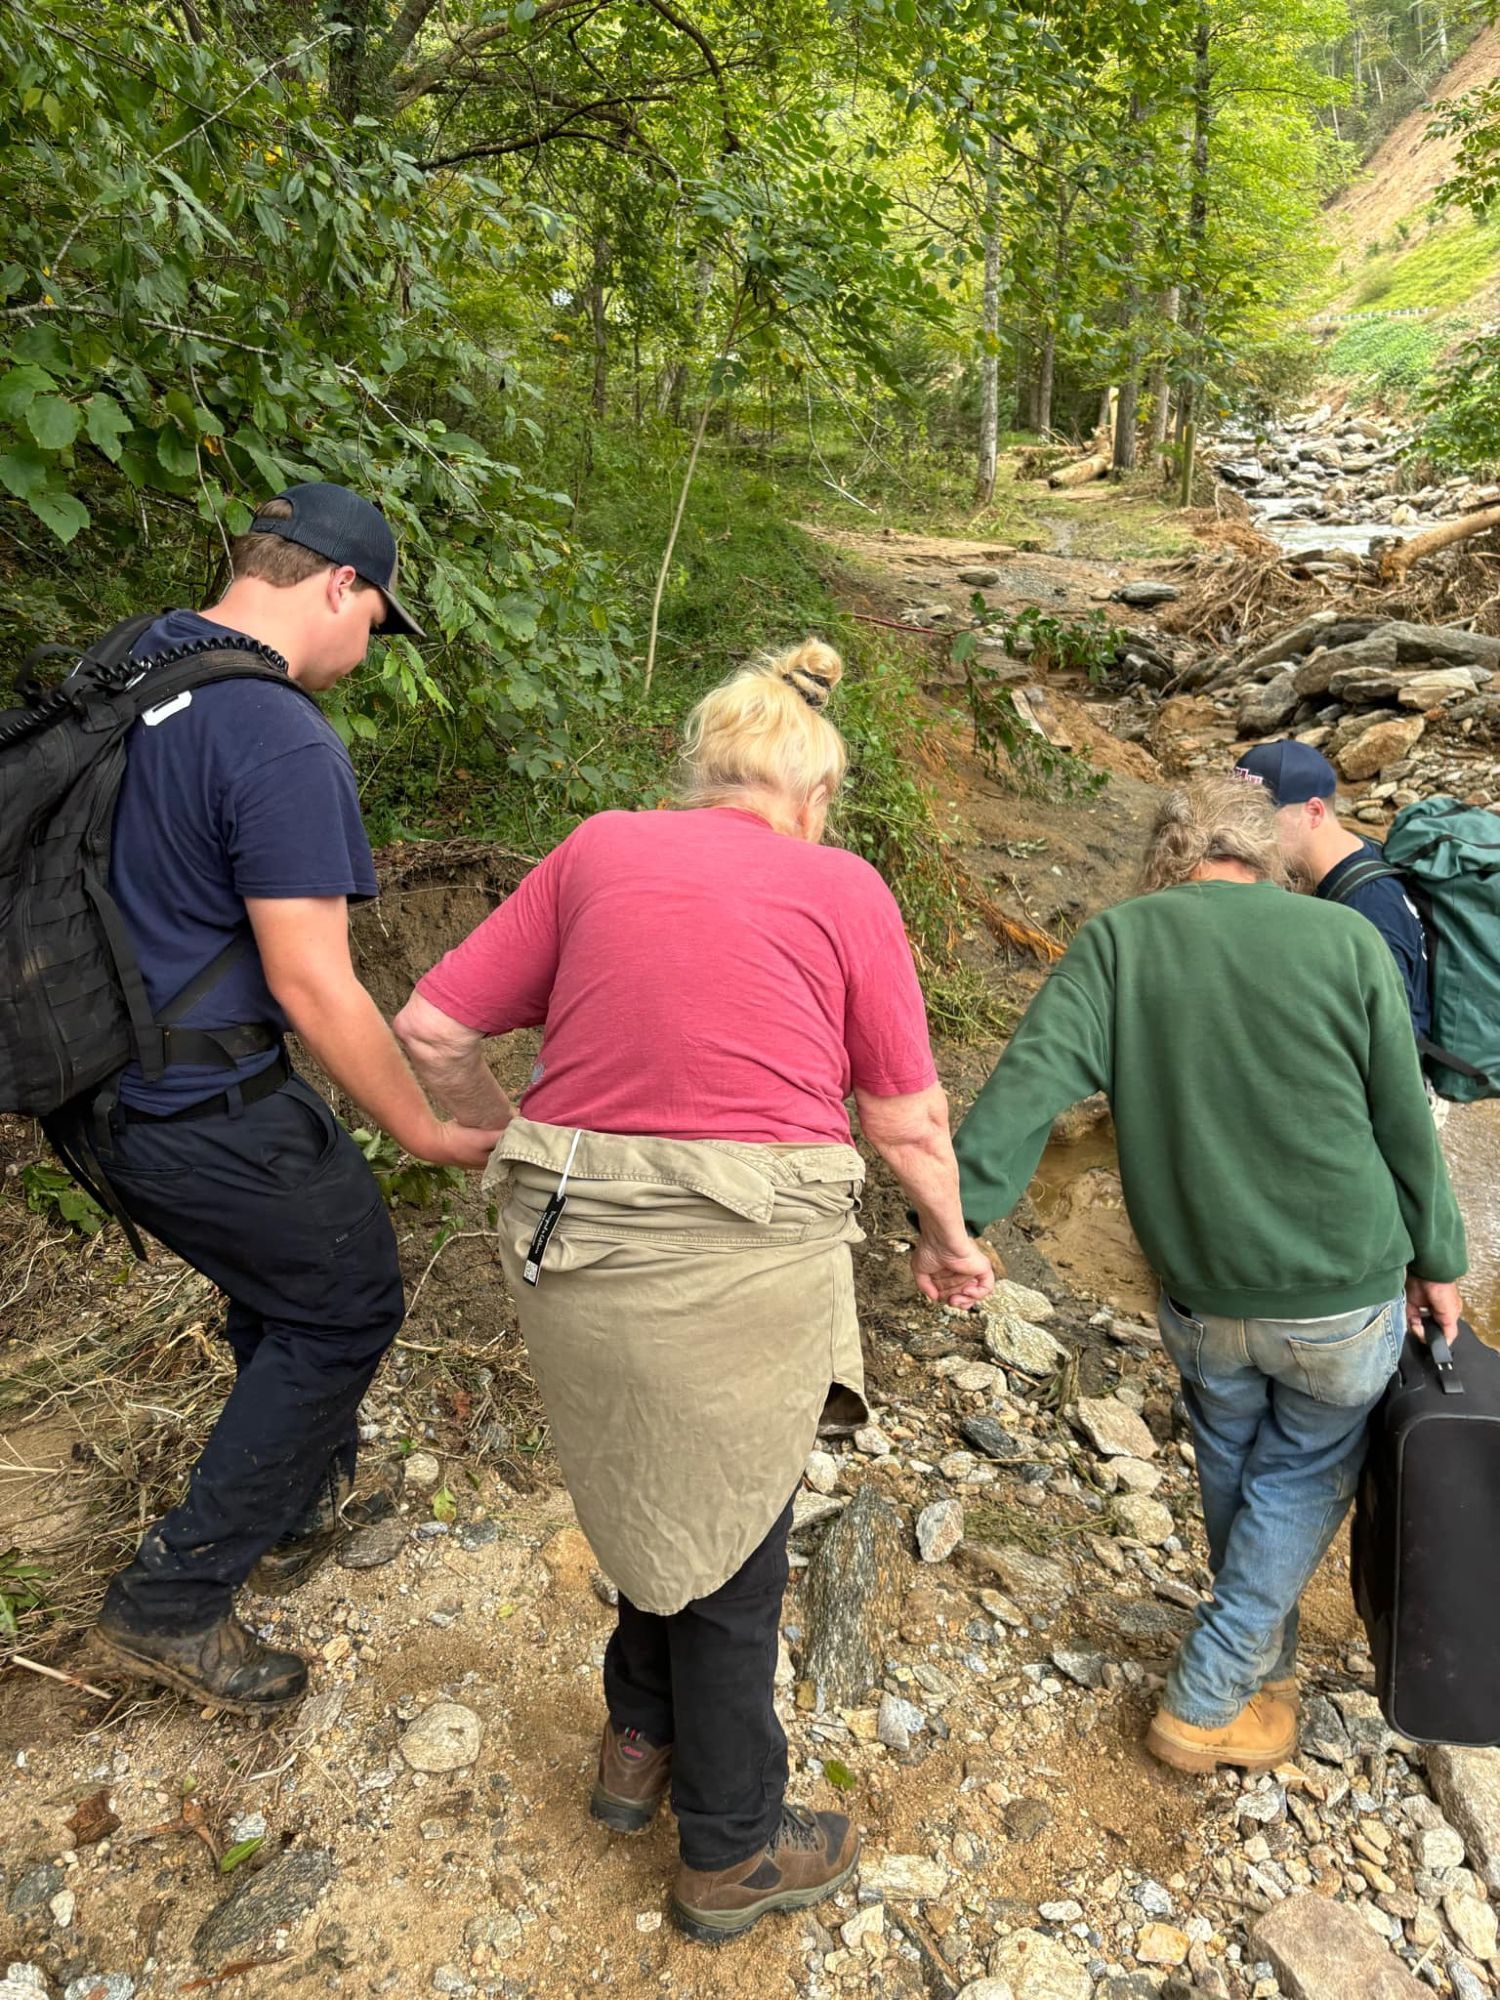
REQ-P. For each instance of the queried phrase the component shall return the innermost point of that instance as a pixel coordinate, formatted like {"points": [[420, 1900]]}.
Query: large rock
{"points": [[1113, 1428], [1342, 652], [1145, 1519], [1145, 594], [1467, 1785], [1387, 743], [1020, 1344], [1040, 1968], [852, 1597], [1266, 708], [1021, 1300], [275, 1899], [1442, 684], [1323, 1951]]}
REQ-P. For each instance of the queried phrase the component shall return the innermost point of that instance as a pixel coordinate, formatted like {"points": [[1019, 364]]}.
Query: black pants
{"points": [[279, 1208], [702, 1680]]}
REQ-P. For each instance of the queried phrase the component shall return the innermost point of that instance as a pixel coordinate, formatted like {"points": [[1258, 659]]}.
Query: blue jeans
{"points": [[1278, 1409]]}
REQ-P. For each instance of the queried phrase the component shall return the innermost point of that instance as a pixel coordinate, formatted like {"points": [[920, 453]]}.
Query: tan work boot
{"points": [[1264, 1733], [632, 1779], [810, 1856], [1285, 1690]]}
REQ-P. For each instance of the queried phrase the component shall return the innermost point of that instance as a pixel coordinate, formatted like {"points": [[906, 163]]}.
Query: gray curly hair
{"points": [[1212, 819]]}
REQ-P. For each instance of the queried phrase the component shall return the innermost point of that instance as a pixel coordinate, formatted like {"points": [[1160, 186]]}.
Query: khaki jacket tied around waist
{"points": [[695, 1309]]}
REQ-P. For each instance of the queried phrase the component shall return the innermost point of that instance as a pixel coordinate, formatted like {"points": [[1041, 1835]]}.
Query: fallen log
{"points": [[1398, 560], [1082, 471]]}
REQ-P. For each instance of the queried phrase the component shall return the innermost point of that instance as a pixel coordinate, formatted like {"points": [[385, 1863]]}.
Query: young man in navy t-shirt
{"points": [[1318, 848], [238, 821]]}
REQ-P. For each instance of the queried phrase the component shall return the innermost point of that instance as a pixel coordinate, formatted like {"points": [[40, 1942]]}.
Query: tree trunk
{"points": [[348, 56], [1107, 399], [989, 364], [1046, 374], [1128, 409], [600, 325], [1160, 399], [1194, 312]]}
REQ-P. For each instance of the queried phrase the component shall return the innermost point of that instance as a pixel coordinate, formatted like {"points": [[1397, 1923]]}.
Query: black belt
{"points": [[262, 1084]]}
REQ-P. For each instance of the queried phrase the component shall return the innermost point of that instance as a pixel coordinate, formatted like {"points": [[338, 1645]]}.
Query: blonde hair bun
{"points": [[814, 669]]}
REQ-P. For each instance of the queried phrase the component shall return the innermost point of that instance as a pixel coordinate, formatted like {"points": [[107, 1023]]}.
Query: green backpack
{"points": [[1447, 856]]}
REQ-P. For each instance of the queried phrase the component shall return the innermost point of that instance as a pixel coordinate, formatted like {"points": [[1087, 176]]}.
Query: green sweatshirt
{"points": [[1276, 1146]]}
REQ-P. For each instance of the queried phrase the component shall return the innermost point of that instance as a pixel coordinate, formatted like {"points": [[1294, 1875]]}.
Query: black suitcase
{"points": [[1426, 1525]]}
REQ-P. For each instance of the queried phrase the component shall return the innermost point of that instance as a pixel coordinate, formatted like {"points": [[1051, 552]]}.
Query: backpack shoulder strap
{"points": [[1360, 876], [115, 645], [206, 664]]}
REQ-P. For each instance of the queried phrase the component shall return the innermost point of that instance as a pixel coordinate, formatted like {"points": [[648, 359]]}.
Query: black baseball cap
{"points": [[347, 529], [1291, 772]]}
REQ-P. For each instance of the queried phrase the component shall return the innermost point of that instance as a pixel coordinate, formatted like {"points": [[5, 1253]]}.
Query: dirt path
{"points": [[1022, 1833]]}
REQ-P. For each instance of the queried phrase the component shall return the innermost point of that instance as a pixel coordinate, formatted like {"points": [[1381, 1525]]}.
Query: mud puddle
{"points": [[1077, 1196]]}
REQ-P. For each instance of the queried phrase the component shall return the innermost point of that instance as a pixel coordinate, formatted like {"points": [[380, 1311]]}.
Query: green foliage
{"points": [[1390, 358], [402, 1180], [1461, 409], [241, 1851], [213, 289], [21, 1590], [1452, 265], [1015, 755], [53, 1192], [1087, 645]]}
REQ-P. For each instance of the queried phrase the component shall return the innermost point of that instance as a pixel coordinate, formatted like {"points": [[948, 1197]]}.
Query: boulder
{"points": [[1266, 708], [852, 1597], [1323, 1950], [1387, 743], [1145, 594], [1442, 684], [1317, 672]]}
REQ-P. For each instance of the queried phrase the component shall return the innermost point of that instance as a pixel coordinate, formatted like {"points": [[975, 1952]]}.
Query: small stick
{"points": [[57, 1674]]}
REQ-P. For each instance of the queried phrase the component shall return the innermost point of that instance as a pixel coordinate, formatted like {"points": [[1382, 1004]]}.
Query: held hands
{"points": [[449, 1145], [1437, 1297], [957, 1274]]}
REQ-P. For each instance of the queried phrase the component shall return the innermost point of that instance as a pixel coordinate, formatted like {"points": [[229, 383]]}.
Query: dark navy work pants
{"points": [[279, 1208]]}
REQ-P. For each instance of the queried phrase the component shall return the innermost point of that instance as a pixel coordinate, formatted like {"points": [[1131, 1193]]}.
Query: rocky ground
{"points": [[989, 1580], [1339, 469]]}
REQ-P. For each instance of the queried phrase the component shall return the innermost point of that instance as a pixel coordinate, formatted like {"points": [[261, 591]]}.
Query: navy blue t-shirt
{"points": [[243, 790], [1394, 915]]}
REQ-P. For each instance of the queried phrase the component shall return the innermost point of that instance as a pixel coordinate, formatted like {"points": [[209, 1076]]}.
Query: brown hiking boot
{"points": [[632, 1779], [1264, 1733], [810, 1856], [328, 1522], [224, 1664], [1285, 1689]]}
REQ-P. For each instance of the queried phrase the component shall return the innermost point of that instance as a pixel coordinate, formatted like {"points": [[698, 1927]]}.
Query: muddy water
{"points": [[1077, 1196]]}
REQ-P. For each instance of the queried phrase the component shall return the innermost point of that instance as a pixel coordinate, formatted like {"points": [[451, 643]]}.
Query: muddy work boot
{"points": [[810, 1856], [328, 1522], [632, 1779], [1263, 1734], [224, 1664]]}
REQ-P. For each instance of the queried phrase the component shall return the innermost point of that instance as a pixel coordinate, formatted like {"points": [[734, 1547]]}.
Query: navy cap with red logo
{"points": [[348, 530], [1291, 772]]}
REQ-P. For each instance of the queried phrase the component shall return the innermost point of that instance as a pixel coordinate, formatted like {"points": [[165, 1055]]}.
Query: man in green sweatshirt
{"points": [[1284, 1180]]}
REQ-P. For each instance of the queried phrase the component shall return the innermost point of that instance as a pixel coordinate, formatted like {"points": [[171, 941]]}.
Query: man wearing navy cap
{"points": [[1331, 860], [237, 850]]}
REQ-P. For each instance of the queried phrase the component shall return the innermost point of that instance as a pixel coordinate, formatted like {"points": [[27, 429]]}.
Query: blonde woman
{"points": [[1283, 1177], [713, 983]]}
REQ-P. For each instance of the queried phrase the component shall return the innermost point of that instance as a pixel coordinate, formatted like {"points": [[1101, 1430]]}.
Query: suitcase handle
{"points": [[1442, 1358]]}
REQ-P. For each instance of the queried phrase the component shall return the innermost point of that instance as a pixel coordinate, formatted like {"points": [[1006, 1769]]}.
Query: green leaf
{"points": [[52, 421], [176, 455], [107, 424], [22, 471], [43, 345], [840, 1776], [59, 511], [242, 1850], [20, 386], [444, 1506]]}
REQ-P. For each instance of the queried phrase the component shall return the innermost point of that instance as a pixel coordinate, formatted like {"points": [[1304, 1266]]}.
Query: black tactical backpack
{"points": [[73, 1005]]}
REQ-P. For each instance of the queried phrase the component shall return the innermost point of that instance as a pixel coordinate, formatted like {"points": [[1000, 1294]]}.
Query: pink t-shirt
{"points": [[701, 976]]}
